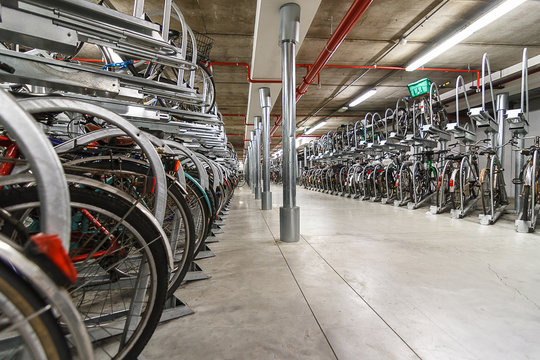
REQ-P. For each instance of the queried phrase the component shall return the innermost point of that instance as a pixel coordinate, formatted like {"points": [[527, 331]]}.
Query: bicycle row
{"points": [[406, 159], [112, 177]]}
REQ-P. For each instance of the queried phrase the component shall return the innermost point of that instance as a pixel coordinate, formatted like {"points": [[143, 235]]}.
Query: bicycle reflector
{"points": [[47, 252], [172, 165]]}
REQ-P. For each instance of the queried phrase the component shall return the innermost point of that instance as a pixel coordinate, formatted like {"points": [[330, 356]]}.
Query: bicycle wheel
{"points": [[199, 206], [499, 190], [526, 211], [406, 186], [485, 190], [27, 325], [205, 84], [178, 223], [121, 264]]}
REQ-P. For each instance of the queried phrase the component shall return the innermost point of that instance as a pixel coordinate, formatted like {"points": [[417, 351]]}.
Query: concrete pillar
{"points": [[289, 213], [266, 103]]}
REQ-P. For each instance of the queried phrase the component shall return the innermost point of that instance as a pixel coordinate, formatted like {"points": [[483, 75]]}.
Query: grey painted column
{"points": [[289, 214], [248, 164], [518, 165], [266, 104], [257, 156], [252, 162], [502, 106]]}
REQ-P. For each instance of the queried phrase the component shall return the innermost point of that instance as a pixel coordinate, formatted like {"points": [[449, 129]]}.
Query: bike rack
{"points": [[51, 183], [466, 136], [58, 104], [523, 224], [58, 298], [482, 117], [519, 125]]}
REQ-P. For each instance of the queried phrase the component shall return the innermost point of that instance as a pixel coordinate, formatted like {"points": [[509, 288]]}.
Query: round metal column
{"points": [[252, 160], [519, 162], [264, 96], [289, 214], [257, 157], [502, 106]]}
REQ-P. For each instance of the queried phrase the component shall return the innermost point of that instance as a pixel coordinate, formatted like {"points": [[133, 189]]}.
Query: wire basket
{"points": [[204, 45]]}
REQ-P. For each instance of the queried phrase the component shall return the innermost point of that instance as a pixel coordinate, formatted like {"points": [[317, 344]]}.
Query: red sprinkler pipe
{"points": [[248, 72], [308, 66], [357, 9]]}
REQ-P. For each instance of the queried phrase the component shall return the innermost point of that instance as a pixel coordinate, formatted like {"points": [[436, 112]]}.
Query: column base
{"points": [[257, 192], [266, 200], [289, 224]]}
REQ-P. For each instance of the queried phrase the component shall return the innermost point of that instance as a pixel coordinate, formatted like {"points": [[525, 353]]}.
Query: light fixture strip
{"points": [[363, 97], [484, 20], [318, 126]]}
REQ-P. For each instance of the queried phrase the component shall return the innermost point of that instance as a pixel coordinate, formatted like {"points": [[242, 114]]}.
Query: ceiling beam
{"points": [[266, 55]]}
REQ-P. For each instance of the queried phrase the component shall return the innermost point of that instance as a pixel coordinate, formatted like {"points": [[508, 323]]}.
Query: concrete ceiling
{"points": [[374, 40]]}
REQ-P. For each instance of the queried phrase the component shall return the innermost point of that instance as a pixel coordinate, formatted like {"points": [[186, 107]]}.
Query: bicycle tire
{"points": [[199, 199], [176, 196], [213, 86], [19, 299], [484, 188], [23, 199], [526, 193]]}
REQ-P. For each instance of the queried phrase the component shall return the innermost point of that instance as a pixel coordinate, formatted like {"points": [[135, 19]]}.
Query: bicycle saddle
{"points": [[116, 141], [488, 152], [455, 157]]}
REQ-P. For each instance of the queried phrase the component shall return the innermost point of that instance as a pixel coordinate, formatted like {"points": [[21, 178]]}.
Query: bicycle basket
{"points": [[204, 45]]}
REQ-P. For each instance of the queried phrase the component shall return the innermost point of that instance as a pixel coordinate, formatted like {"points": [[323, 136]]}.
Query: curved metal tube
{"points": [[460, 84], [525, 85], [386, 121], [59, 104], [365, 124], [485, 63], [58, 298], [355, 135], [373, 125], [51, 182], [431, 92]]}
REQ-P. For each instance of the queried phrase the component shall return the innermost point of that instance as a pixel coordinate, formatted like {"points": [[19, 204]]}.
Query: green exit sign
{"points": [[419, 87]]}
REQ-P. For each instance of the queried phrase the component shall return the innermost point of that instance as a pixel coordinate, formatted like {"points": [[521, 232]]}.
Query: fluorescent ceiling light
{"points": [[318, 126], [503, 8], [363, 97]]}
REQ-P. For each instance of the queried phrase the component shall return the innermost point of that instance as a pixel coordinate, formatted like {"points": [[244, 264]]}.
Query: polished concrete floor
{"points": [[366, 281]]}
